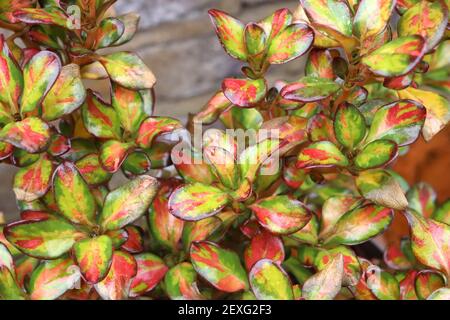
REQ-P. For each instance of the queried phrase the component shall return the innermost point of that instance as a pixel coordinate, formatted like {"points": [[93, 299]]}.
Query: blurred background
{"points": [[177, 41]]}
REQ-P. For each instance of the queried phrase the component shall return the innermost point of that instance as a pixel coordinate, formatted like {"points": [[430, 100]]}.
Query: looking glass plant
{"points": [[274, 202]]}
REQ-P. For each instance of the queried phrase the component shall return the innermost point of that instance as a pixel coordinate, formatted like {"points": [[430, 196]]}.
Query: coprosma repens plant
{"points": [[274, 210]]}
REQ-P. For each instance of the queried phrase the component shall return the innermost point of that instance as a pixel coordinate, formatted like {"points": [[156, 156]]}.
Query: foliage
{"points": [[222, 227]]}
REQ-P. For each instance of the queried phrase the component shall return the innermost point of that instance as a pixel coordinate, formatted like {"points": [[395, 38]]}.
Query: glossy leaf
{"points": [[442, 214], [321, 154], [321, 128], [264, 245], [428, 281], [181, 283], [113, 153], [223, 164], [352, 268], [399, 121], [39, 75], [129, 106], [281, 214], [220, 267], [135, 239], [349, 126], [128, 202], [396, 58], [154, 126], [382, 284], [334, 208], [30, 134], [117, 282], [91, 170], [376, 154], [360, 224], [422, 198], [93, 256], [73, 196], [320, 64], [212, 109], [108, 32], [440, 294], [51, 16], [130, 22], [11, 79], [52, 278], [197, 201], [244, 92], [150, 271], [309, 89], [372, 17], [270, 282]]}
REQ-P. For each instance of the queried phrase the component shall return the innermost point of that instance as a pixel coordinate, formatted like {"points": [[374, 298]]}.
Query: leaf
{"points": [[244, 93], [382, 188], [59, 145], [349, 126], [117, 282], [11, 79], [47, 16], [154, 126], [442, 214], [281, 214], [290, 43], [270, 282], [360, 224], [129, 106], [9, 7], [91, 170], [382, 284], [438, 110], [113, 153], [52, 278], [223, 164], [93, 256], [264, 245], [181, 283], [31, 134], [255, 42], [222, 268], [73, 196], [396, 58], [135, 239], [400, 121], [276, 22], [150, 271], [66, 95], [321, 128], [130, 22], [205, 229], [44, 239], [430, 241], [39, 75], [309, 89], [128, 70], [428, 281], [440, 294], [128, 202], [136, 163], [422, 198], [333, 209], [212, 109], [197, 201], [372, 17], [308, 234], [320, 64], [33, 182], [426, 19], [100, 119], [331, 13], [230, 32], [325, 284], [376, 154], [108, 32], [321, 154]]}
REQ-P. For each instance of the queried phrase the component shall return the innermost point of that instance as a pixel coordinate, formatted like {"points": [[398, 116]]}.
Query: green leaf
{"points": [[321, 154], [430, 241], [91, 170], [9, 287], [39, 75], [33, 182], [400, 121], [129, 106], [113, 153], [108, 32], [66, 95], [290, 43], [382, 188], [349, 126], [244, 93], [136, 163], [397, 57], [46, 16], [321, 128], [376, 154], [153, 127], [128, 202], [180, 283], [264, 245], [427, 19], [100, 119], [73, 196], [220, 267], [255, 42], [31, 134], [44, 239], [310, 89], [352, 268], [428, 281], [372, 18], [325, 284], [422, 198], [53, 278], [93, 256], [270, 282], [223, 164], [128, 70], [308, 234], [359, 225], [320, 64], [116, 285], [331, 13], [442, 214], [151, 269], [230, 32], [205, 229], [281, 214], [11, 79], [382, 284], [197, 201]]}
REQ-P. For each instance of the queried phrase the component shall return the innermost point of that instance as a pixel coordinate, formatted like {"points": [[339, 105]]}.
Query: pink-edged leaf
{"points": [[151, 269], [349, 126], [91, 170], [59, 145], [201, 230], [320, 64], [264, 246], [135, 239], [321, 154], [31, 135], [113, 153], [320, 128], [154, 126], [108, 32], [129, 106], [372, 17], [212, 109], [244, 93], [51, 16]]}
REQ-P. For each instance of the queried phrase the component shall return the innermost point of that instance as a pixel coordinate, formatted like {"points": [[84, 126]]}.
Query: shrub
{"points": [[275, 210]]}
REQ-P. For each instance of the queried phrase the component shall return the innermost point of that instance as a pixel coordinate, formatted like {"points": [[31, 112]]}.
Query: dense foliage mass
{"points": [[271, 216]]}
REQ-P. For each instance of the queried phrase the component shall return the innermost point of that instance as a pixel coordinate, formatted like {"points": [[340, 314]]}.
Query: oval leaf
{"points": [[270, 282], [244, 92], [349, 126], [378, 153], [309, 89], [321, 154], [31, 135], [150, 271]]}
